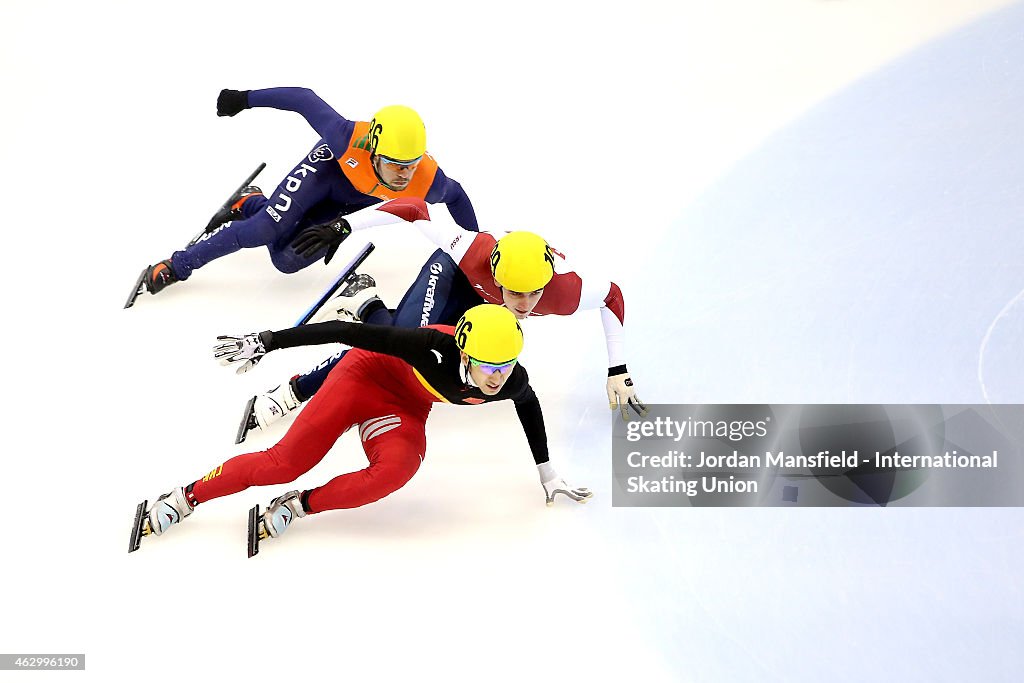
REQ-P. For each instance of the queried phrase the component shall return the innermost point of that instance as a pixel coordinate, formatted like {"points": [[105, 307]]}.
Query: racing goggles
{"points": [[395, 162], [491, 368]]}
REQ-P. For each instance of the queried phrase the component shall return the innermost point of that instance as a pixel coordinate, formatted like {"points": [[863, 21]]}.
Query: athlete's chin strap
{"points": [[373, 165], [467, 378]]}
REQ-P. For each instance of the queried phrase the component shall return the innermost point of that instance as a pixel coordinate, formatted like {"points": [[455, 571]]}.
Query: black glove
{"points": [[230, 102], [329, 235]]}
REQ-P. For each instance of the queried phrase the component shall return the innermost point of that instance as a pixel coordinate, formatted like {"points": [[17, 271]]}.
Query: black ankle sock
{"points": [[376, 313], [191, 497], [293, 382]]}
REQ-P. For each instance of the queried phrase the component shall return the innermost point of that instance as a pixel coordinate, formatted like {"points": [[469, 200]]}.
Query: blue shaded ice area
{"points": [[868, 253]]}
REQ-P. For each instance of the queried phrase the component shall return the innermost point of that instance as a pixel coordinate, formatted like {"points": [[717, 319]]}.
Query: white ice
{"points": [[803, 201]]}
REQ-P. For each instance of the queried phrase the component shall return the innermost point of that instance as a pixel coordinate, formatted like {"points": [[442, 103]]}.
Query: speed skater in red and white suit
{"points": [[440, 295]]}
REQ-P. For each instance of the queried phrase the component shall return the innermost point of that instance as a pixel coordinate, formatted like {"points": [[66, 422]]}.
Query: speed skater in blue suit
{"points": [[355, 164]]}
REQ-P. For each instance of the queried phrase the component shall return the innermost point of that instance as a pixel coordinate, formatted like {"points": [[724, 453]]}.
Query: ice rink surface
{"points": [[803, 201]]}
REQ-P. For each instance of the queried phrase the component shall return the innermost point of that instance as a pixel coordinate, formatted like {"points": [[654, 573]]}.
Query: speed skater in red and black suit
{"points": [[386, 386]]}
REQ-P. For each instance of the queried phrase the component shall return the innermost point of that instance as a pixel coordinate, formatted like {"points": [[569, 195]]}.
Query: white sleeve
{"points": [[447, 235], [594, 293], [614, 337], [372, 216], [452, 239]]}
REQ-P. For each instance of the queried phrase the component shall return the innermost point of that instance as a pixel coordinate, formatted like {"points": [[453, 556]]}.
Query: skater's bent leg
{"points": [[287, 260], [380, 315], [308, 440], [395, 446], [253, 205], [269, 221], [256, 231]]}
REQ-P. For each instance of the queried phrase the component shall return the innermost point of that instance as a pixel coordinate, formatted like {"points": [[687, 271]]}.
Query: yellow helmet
{"points": [[398, 133], [489, 333], [522, 262]]}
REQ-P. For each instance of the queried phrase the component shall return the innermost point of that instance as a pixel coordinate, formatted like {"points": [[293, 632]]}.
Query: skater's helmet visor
{"points": [[491, 368]]}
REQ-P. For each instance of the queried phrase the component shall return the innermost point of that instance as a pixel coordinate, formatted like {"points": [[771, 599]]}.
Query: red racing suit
{"points": [[386, 386]]}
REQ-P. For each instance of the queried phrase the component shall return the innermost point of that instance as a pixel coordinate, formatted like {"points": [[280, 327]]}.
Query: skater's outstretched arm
{"points": [[328, 123], [449, 192], [532, 418], [453, 239], [411, 345]]}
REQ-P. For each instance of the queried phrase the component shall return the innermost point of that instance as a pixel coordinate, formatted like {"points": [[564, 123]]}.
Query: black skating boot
{"points": [[159, 276], [232, 209]]}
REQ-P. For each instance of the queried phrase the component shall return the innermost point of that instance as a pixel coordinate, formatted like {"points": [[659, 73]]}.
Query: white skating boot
{"points": [[360, 289], [280, 513], [166, 511], [275, 404], [266, 409], [275, 520]]}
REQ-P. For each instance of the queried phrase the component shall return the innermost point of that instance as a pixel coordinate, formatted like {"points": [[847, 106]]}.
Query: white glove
{"points": [[622, 394], [248, 350], [555, 486]]}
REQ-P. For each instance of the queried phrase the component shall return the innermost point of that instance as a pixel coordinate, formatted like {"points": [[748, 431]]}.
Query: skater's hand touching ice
{"points": [[555, 485], [247, 349], [558, 486]]}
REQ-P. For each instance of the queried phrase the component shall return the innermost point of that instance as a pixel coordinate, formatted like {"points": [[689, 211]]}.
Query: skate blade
{"points": [[139, 288], [337, 284], [137, 530], [248, 421], [211, 226], [254, 531]]}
